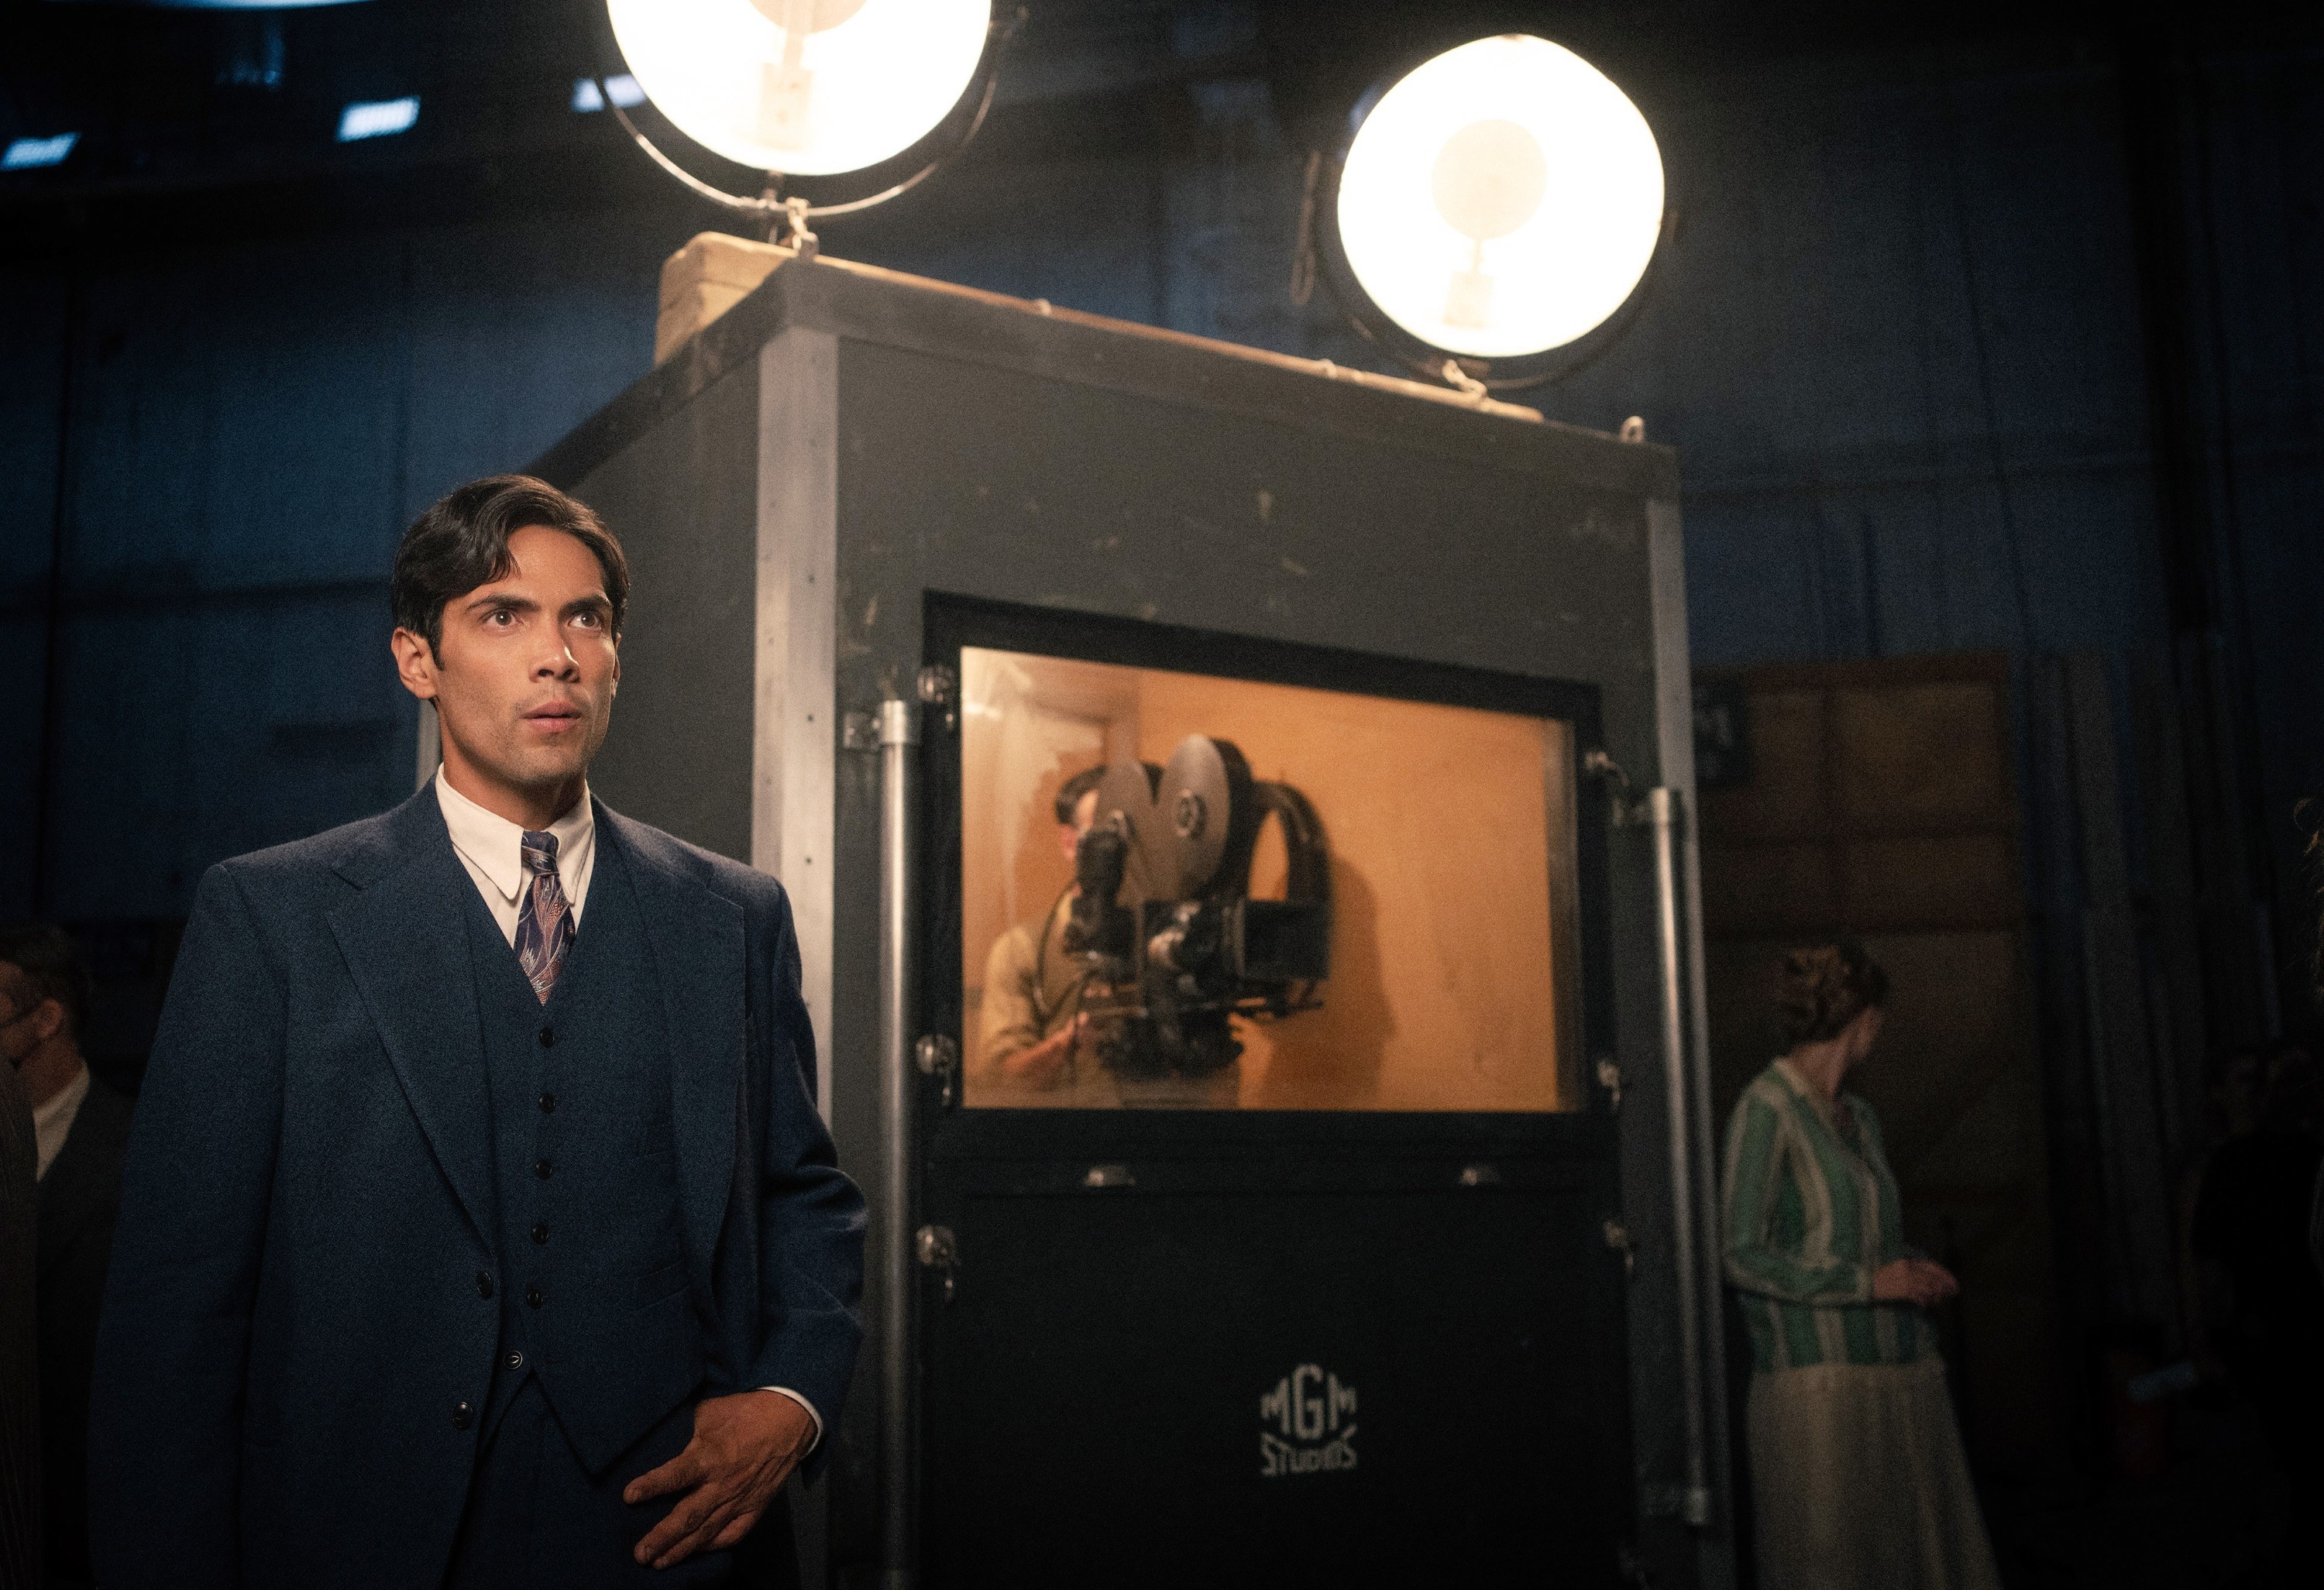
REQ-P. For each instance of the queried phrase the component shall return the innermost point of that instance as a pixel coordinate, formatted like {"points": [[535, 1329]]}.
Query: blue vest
{"points": [[595, 1300]]}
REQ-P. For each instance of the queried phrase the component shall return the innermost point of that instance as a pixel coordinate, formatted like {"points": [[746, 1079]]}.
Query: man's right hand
{"points": [[1920, 1282], [1043, 1064]]}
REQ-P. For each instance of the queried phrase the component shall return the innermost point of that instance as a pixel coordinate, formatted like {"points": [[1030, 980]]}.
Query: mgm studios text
{"points": [[1307, 1425]]}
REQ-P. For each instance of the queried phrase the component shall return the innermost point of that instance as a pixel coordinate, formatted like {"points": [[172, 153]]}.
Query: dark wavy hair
{"points": [[462, 542], [1824, 986], [1070, 793]]}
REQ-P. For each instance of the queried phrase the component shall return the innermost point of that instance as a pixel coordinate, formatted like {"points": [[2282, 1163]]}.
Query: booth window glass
{"points": [[1184, 891]]}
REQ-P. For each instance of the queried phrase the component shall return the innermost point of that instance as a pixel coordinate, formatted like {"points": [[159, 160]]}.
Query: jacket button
{"points": [[548, 1037], [541, 1168], [463, 1416], [541, 1231], [535, 1296], [549, 1104], [515, 1360], [483, 1284]]}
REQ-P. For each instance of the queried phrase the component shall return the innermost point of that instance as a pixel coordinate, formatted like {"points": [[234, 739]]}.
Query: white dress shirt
{"points": [[52, 1122], [492, 848]]}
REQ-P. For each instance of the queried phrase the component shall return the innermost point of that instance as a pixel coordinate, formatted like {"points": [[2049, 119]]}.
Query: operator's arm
{"points": [[1011, 1050], [165, 1416], [1007, 1024]]}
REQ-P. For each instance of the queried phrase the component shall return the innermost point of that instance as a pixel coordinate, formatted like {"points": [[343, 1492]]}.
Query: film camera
{"points": [[1171, 944]]}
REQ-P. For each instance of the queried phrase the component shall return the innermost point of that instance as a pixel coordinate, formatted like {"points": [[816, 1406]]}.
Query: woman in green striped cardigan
{"points": [[1856, 1473]]}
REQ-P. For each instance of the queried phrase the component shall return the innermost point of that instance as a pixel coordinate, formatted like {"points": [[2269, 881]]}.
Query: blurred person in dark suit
{"points": [[20, 1385], [82, 1129], [2263, 1313], [2265, 1305]]}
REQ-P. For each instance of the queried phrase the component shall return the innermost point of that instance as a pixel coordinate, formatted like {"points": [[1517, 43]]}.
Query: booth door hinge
{"points": [[1618, 1238], [1625, 802], [860, 731], [939, 686], [938, 1056], [1609, 1079], [938, 1250]]}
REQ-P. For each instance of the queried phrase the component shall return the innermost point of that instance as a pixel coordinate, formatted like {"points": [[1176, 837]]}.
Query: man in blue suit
{"points": [[459, 1246]]}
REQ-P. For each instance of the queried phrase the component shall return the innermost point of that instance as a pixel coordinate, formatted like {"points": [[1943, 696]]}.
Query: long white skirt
{"points": [[1858, 1481]]}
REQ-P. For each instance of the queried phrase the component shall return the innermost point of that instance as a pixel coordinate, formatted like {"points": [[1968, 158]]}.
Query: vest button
{"points": [[542, 1169], [515, 1360], [535, 1297], [483, 1284], [540, 1232], [463, 1416], [549, 1104], [548, 1037]]}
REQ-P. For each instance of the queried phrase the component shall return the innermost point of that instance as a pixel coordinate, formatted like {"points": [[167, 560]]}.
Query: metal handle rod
{"points": [[1666, 812], [900, 733]]}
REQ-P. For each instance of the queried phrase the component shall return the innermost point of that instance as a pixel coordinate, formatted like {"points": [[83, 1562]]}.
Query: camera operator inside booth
{"points": [[1033, 1027], [1188, 891]]}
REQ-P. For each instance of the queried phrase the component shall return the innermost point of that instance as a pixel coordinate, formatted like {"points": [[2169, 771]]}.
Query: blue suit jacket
{"points": [[291, 1315]]}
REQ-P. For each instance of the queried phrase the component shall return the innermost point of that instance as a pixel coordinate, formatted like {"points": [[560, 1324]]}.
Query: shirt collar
{"points": [[495, 847], [1827, 1109], [52, 1122]]}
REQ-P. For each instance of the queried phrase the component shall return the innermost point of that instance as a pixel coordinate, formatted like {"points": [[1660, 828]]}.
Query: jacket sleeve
{"points": [[811, 1216], [165, 1416], [1754, 1263]]}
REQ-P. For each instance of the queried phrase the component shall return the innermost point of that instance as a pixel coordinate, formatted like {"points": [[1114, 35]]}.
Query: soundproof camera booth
{"points": [[1236, 815]]}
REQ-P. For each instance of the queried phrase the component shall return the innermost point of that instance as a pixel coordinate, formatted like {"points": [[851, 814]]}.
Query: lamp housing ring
{"points": [[889, 179], [1498, 372]]}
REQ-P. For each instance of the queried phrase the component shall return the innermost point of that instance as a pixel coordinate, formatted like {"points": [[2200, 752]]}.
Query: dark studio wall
{"points": [[2006, 340]]}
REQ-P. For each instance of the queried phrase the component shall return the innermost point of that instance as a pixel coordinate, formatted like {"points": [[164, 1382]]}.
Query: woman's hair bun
{"points": [[1825, 986]]}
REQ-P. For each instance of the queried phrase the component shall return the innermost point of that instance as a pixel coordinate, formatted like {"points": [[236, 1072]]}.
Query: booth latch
{"points": [[1618, 1238], [937, 1055], [938, 1251]]}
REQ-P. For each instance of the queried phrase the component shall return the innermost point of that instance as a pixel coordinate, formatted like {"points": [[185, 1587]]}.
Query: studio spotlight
{"points": [[1491, 213], [807, 88]]}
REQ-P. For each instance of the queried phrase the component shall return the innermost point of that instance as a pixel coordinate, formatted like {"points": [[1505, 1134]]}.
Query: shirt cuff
{"points": [[802, 1402]]}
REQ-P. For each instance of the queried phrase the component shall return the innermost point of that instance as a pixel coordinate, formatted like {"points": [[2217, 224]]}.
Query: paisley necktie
{"points": [[544, 926]]}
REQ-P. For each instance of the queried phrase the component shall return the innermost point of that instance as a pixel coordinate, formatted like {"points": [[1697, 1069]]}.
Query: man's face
{"points": [[1084, 815], [1864, 1033], [523, 681], [20, 1017]]}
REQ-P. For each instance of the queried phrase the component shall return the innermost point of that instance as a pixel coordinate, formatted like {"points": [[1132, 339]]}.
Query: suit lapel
{"points": [[696, 939], [408, 952]]}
